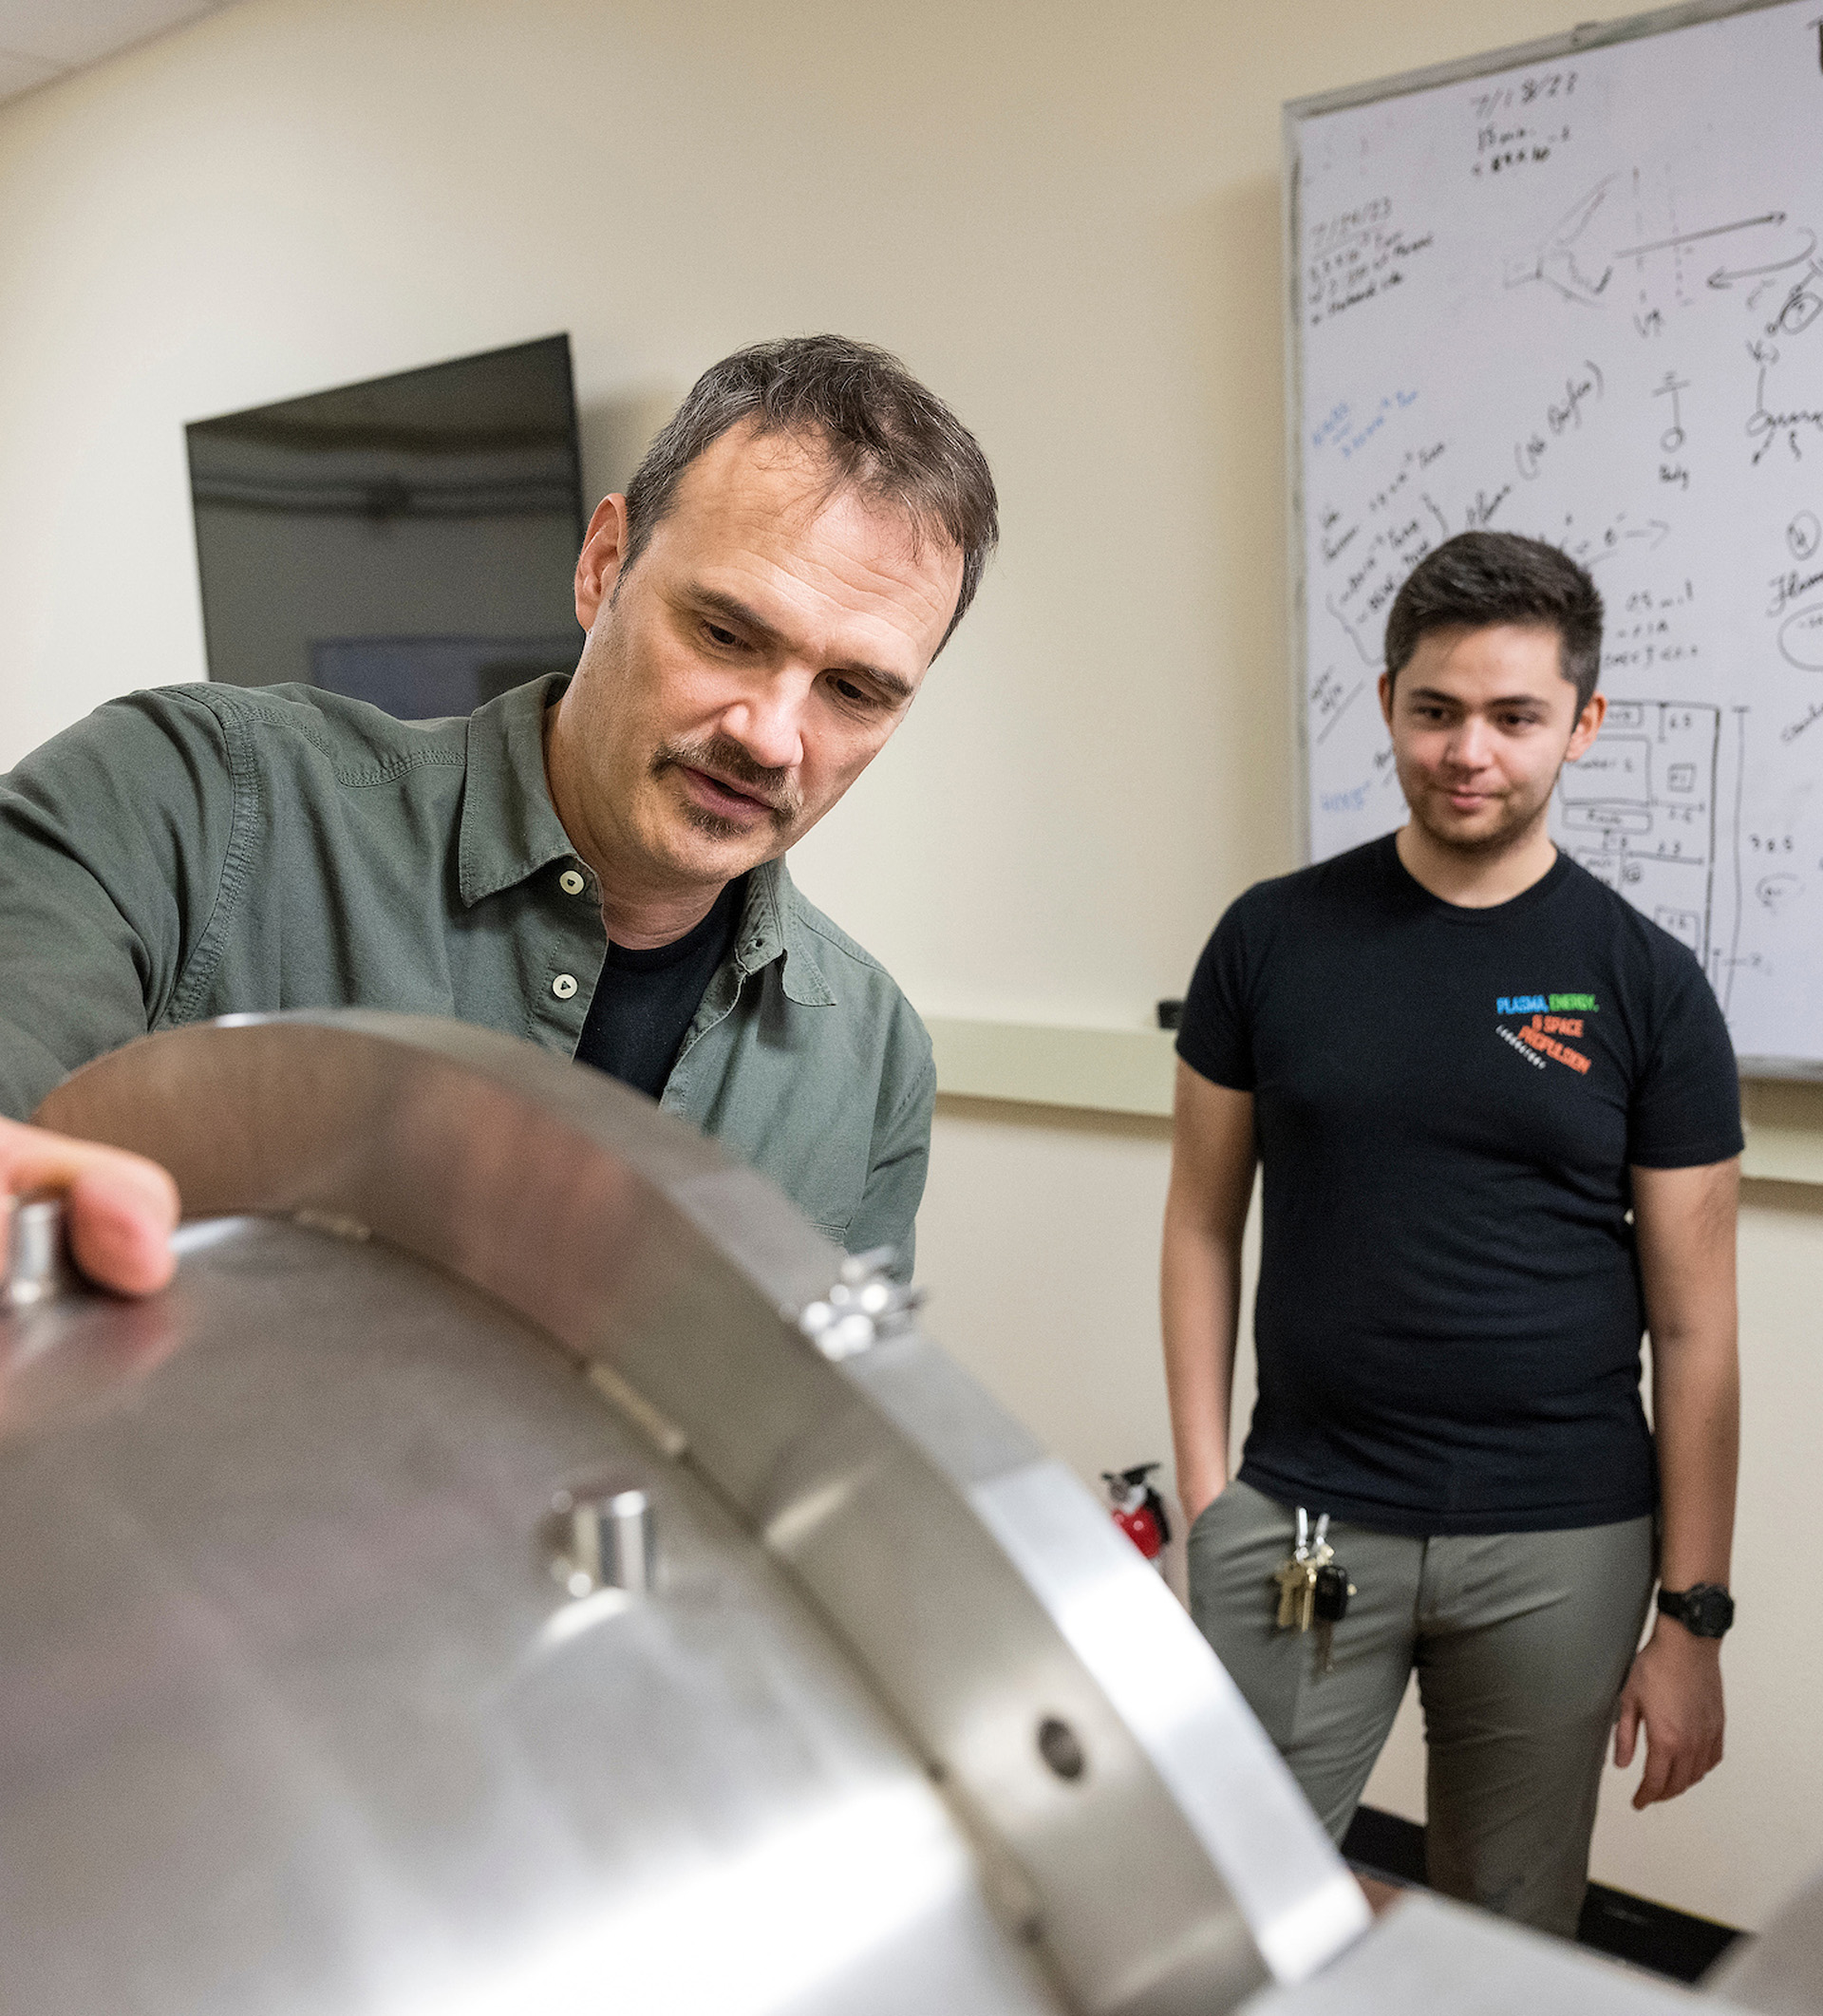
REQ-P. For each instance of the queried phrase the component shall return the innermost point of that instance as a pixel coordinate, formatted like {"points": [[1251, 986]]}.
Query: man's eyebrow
{"points": [[1504, 700], [898, 690], [712, 601]]}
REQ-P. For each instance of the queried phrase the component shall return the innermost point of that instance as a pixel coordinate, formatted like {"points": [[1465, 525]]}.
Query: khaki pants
{"points": [[1521, 1642]]}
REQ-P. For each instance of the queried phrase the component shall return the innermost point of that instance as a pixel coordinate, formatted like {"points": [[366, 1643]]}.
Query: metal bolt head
{"points": [[848, 1338], [37, 1260], [604, 1539], [861, 1305]]}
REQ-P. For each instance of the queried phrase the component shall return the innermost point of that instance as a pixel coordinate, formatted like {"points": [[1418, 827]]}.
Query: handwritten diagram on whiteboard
{"points": [[1581, 297]]}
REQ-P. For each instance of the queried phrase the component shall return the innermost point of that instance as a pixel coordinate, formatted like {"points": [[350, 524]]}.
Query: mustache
{"points": [[722, 756]]}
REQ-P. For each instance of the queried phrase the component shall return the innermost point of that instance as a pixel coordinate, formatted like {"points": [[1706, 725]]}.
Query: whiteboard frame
{"points": [[1591, 35]]}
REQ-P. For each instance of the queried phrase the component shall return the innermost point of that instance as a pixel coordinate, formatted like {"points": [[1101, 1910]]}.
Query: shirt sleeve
{"points": [[112, 840], [887, 1215], [1216, 1038], [1687, 1109]]}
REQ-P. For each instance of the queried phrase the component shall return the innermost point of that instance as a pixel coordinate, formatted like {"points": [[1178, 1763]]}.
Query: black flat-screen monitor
{"points": [[410, 540]]}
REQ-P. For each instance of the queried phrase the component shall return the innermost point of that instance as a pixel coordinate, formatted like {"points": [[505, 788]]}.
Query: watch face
{"points": [[1708, 1610], [1715, 1612], [1705, 1610]]}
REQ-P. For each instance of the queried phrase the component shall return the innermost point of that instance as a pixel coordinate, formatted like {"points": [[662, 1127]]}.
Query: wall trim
{"points": [[1047, 1065]]}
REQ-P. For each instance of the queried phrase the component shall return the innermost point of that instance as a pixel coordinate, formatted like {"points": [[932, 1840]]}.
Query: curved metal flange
{"points": [[979, 1587]]}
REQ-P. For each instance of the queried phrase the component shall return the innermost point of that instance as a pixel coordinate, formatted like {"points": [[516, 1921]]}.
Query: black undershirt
{"points": [[645, 1000]]}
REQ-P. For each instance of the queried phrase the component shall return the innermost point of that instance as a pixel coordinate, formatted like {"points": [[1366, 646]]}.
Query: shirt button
{"points": [[569, 882], [564, 985]]}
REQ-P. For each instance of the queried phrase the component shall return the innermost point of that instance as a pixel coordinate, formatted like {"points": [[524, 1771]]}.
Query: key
{"points": [[1289, 1577], [1316, 1565], [1297, 1577], [1329, 1592]]}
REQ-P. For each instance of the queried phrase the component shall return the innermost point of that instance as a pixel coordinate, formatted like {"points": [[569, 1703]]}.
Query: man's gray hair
{"points": [[884, 433]]}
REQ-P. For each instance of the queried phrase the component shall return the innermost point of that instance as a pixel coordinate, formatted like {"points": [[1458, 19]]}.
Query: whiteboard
{"points": [[1576, 291]]}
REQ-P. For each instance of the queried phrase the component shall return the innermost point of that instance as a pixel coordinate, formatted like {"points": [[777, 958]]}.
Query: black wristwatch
{"points": [[1705, 1610]]}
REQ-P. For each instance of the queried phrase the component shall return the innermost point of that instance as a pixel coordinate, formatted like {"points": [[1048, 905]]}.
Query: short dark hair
{"points": [[1479, 578], [885, 434]]}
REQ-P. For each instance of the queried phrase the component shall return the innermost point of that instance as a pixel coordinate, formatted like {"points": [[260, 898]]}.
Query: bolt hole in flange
{"points": [[1060, 1748]]}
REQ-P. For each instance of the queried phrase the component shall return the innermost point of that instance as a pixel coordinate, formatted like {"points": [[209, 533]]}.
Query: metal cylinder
{"points": [[37, 1265], [1036, 1710], [485, 1582], [609, 1541]]}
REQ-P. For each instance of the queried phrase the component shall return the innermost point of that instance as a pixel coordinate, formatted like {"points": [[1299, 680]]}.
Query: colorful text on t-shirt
{"points": [[1540, 1034], [1545, 1005]]}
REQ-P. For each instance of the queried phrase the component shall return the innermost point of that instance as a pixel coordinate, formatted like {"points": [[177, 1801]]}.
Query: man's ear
{"points": [[1387, 698], [1588, 726], [603, 552]]}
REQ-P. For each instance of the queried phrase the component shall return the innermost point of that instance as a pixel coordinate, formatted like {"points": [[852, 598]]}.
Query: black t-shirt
{"points": [[1447, 1104], [645, 1000]]}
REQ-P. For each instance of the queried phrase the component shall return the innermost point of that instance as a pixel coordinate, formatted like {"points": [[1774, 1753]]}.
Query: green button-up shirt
{"points": [[202, 850]]}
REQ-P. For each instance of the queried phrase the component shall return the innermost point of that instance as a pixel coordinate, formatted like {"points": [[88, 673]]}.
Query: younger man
{"points": [[1498, 1118]]}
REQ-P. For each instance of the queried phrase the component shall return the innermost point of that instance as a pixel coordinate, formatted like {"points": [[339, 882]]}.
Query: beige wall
{"points": [[1067, 217]]}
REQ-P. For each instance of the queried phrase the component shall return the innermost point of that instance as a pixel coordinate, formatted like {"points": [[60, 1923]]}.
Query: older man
{"points": [[595, 861]]}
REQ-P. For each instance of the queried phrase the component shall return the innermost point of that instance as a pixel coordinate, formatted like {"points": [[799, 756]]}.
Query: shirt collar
{"points": [[773, 925], [510, 827], [511, 830]]}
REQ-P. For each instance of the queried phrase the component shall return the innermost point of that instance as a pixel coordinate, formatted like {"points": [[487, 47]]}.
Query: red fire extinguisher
{"points": [[1138, 1511]]}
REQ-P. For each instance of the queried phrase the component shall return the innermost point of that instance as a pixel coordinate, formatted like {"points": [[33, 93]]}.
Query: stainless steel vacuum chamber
{"points": [[519, 1566]]}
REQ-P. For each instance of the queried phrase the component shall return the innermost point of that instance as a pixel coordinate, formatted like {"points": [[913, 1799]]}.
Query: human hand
{"points": [[1674, 1692], [119, 1209]]}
